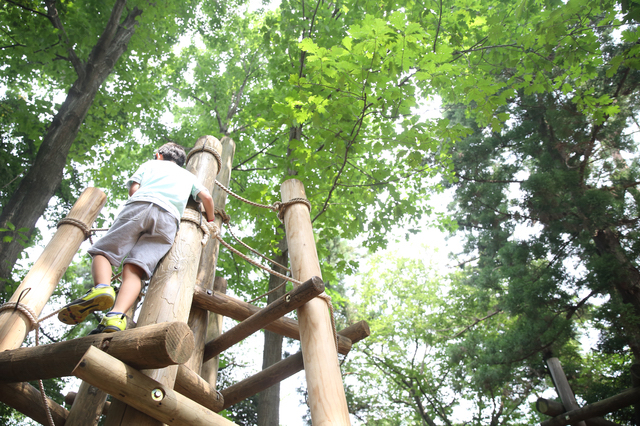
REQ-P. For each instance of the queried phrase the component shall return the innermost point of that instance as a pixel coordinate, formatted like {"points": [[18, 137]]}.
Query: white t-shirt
{"points": [[166, 184]]}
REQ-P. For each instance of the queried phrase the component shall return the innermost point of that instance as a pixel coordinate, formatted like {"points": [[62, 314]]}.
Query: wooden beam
{"points": [[597, 409], [87, 405], [198, 389], [240, 310], [327, 399], [200, 319], [283, 369], [170, 290], [36, 288], [153, 346], [28, 400], [285, 304], [143, 393], [554, 408], [70, 399], [562, 386], [209, 369]]}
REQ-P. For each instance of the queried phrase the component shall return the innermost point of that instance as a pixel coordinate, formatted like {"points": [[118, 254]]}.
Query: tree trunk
{"points": [[269, 399], [29, 201], [626, 283]]}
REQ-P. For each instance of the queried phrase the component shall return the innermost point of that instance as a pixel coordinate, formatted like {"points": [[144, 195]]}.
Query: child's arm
{"points": [[207, 201], [133, 188]]}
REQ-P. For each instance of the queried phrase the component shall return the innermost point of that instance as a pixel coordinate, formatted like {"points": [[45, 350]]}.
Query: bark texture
{"points": [[269, 400], [30, 200]]}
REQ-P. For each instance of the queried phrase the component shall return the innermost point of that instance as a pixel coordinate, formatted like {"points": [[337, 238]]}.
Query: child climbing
{"points": [[143, 233]]}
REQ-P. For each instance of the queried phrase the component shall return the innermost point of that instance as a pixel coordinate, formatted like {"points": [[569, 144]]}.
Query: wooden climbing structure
{"points": [[165, 369], [568, 412]]}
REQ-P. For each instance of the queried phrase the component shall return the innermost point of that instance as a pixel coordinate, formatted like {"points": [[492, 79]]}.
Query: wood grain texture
{"points": [[283, 369], [209, 369], [37, 287], [562, 386], [327, 400], [285, 304], [194, 387], [240, 310], [170, 290], [201, 320], [145, 394], [153, 346], [28, 400], [87, 405]]}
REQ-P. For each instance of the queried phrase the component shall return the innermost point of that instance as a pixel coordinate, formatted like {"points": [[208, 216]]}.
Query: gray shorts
{"points": [[144, 232]]}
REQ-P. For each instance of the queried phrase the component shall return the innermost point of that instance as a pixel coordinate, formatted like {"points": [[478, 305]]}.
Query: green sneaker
{"points": [[96, 299], [111, 324]]}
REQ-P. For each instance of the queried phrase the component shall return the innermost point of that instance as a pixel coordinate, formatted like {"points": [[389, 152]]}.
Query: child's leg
{"points": [[115, 319], [130, 288], [99, 298], [101, 270]]}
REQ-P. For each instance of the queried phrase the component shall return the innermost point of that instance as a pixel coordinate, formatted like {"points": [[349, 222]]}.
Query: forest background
{"points": [[534, 142]]}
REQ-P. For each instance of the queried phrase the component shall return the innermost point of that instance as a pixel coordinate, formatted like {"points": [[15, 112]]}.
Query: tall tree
{"points": [[424, 363], [548, 207], [52, 47]]}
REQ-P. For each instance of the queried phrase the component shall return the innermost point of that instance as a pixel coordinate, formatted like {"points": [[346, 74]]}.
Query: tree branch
{"points": [[52, 14], [476, 322], [435, 39], [27, 8]]}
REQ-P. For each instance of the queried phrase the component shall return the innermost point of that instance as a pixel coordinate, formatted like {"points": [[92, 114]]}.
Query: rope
{"points": [[223, 215], [70, 221], [254, 263], [284, 283], [208, 228], [230, 192], [283, 206], [278, 206], [323, 296], [273, 262], [208, 149], [33, 324]]}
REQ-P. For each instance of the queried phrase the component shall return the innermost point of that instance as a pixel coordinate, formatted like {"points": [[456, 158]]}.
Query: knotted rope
{"points": [[209, 229], [324, 296], [34, 324], [88, 232], [208, 149], [278, 206]]}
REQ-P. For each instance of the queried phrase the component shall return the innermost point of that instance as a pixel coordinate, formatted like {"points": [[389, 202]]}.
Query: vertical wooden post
{"points": [[209, 369], [87, 406], [170, 291], [200, 319], [562, 386], [36, 288], [327, 399]]}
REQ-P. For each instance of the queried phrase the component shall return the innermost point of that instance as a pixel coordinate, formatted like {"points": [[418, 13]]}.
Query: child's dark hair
{"points": [[173, 152]]}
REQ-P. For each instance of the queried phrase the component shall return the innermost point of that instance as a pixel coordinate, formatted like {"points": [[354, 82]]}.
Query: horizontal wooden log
{"points": [[154, 346], [549, 407], [597, 409], [265, 316], [194, 387], [70, 398], [555, 408], [282, 370], [28, 400], [239, 310], [142, 392]]}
